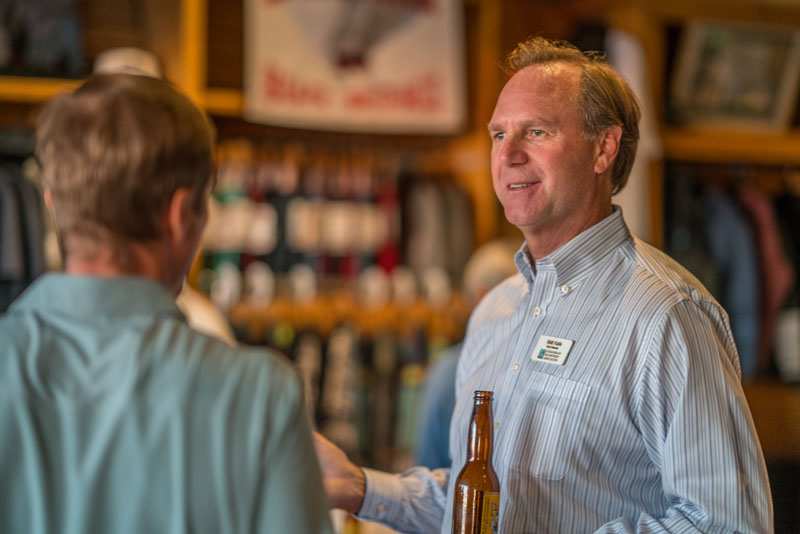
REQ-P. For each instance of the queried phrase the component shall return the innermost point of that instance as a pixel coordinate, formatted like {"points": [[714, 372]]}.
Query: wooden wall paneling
{"points": [[175, 31], [468, 155]]}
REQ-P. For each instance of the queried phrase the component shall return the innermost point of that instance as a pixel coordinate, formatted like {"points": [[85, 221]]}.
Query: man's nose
{"points": [[512, 153]]}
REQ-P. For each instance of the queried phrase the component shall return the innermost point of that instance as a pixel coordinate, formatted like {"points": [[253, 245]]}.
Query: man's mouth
{"points": [[521, 185]]}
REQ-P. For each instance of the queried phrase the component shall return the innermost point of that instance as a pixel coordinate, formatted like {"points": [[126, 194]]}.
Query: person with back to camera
{"points": [[115, 415], [618, 403]]}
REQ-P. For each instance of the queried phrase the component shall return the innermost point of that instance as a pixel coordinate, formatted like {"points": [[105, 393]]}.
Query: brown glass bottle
{"points": [[476, 505]]}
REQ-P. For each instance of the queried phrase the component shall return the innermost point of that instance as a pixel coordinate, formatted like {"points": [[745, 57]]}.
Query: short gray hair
{"points": [[115, 150]]}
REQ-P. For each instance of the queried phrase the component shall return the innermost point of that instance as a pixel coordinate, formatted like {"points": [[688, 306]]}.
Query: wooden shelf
{"points": [[27, 90], [225, 102], [726, 147], [325, 312]]}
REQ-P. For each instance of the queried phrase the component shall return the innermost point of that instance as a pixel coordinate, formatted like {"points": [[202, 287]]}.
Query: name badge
{"points": [[551, 350]]}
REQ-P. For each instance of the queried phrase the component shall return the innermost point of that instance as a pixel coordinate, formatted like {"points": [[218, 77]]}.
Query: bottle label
{"points": [[490, 512]]}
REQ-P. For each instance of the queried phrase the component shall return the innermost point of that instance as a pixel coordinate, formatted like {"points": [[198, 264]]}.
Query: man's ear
{"points": [[606, 149], [181, 217]]}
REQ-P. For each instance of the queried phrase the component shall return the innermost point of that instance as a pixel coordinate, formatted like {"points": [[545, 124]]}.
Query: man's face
{"points": [[543, 166]]}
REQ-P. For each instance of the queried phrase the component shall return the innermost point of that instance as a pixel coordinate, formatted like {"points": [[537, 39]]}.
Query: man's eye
{"points": [[498, 136], [535, 132]]}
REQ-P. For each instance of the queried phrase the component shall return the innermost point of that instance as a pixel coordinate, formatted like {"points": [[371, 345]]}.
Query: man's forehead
{"points": [[555, 76], [538, 93]]}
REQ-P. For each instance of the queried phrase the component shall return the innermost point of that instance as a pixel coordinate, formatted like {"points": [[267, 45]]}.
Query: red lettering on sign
{"points": [[421, 94], [283, 87]]}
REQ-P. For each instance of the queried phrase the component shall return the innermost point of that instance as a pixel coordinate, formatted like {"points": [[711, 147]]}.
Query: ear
{"points": [[606, 149], [181, 217]]}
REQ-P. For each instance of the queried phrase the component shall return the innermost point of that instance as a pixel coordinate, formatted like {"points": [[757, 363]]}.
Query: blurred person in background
{"points": [[115, 415], [487, 267]]}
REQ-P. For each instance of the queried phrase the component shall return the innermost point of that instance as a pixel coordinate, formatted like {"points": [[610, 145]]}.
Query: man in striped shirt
{"points": [[617, 384]]}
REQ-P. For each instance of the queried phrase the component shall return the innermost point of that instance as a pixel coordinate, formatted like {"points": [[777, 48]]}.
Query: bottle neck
{"points": [[481, 430]]}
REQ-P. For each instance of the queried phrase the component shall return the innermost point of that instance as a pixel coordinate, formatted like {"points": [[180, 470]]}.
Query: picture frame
{"points": [[736, 76]]}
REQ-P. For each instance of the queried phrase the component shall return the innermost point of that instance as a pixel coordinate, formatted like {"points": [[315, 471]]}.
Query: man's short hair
{"points": [[113, 152], [605, 99]]}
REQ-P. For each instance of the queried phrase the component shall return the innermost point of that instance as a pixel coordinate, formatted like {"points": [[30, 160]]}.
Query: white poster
{"points": [[392, 66]]}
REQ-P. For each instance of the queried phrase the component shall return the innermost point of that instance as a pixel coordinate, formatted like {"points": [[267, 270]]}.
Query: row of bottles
{"points": [[282, 216], [286, 207]]}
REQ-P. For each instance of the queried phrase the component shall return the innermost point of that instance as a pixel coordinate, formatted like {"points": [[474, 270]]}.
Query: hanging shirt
{"points": [[115, 416], [618, 404], [777, 271], [731, 244]]}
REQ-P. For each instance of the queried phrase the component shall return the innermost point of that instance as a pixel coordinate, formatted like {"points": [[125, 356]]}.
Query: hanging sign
{"points": [[391, 66]]}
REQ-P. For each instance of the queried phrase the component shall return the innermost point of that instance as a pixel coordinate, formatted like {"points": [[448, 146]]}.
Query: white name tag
{"points": [[551, 350]]}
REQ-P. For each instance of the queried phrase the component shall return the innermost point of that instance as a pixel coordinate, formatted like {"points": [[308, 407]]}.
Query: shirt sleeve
{"points": [[292, 499], [698, 431], [409, 502]]}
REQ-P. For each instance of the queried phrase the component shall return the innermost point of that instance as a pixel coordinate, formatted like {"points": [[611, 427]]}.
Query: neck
{"points": [[546, 241], [142, 260], [481, 430]]}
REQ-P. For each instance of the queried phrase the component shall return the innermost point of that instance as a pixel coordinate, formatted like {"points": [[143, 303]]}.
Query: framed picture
{"points": [[369, 66], [736, 76]]}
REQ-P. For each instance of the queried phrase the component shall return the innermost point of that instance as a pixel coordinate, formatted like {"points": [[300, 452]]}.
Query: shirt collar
{"points": [[93, 296], [574, 259]]}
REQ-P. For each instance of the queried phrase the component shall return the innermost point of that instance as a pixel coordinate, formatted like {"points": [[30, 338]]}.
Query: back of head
{"points": [[605, 97], [114, 151]]}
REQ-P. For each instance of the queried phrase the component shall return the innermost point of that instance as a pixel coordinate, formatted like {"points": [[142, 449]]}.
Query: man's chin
{"points": [[522, 221]]}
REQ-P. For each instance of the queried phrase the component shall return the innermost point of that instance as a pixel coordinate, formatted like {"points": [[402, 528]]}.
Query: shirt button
{"points": [[565, 289], [515, 367], [497, 424], [381, 509], [537, 311]]}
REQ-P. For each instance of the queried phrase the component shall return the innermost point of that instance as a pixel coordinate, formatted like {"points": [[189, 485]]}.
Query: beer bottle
{"points": [[476, 505]]}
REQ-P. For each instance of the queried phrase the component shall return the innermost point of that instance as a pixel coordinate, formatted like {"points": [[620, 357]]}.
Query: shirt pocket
{"points": [[547, 429]]}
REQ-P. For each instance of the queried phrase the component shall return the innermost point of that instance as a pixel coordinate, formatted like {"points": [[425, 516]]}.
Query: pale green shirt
{"points": [[116, 417]]}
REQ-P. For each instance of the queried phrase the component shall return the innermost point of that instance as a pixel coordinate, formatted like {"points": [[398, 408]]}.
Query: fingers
{"points": [[331, 457], [344, 481]]}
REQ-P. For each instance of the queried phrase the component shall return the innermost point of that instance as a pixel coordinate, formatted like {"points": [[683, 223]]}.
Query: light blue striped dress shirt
{"points": [[643, 428]]}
